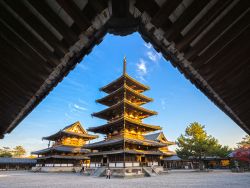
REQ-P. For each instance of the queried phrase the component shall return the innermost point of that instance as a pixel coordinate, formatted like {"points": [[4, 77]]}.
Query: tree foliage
{"points": [[19, 151], [197, 144], [5, 152], [244, 142]]}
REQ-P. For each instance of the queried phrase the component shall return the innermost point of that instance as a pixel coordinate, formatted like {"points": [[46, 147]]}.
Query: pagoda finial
{"points": [[124, 65]]}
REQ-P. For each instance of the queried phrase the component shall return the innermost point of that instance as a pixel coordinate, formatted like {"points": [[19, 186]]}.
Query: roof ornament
{"points": [[124, 65]]}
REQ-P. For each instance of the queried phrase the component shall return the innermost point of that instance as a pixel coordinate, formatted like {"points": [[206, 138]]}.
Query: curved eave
{"points": [[63, 157], [104, 114], [150, 112], [61, 149], [106, 100], [144, 87], [168, 153], [61, 133], [125, 151], [110, 87], [101, 129], [112, 142], [169, 143]]}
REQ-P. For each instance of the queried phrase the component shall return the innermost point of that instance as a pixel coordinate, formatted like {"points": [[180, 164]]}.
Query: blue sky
{"points": [[176, 100]]}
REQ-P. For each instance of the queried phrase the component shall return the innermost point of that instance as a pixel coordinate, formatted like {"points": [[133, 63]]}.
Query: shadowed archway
{"points": [[41, 41]]}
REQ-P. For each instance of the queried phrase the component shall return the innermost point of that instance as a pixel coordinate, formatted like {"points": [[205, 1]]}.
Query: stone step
{"points": [[99, 171]]}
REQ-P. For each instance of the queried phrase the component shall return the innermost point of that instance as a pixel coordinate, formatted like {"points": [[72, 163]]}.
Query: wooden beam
{"points": [[166, 9], [21, 46], [187, 16], [29, 68], [120, 9], [230, 70], [218, 28], [207, 56], [8, 21], [98, 6], [216, 65], [60, 48], [42, 7], [240, 100], [151, 7], [74, 12], [202, 24]]}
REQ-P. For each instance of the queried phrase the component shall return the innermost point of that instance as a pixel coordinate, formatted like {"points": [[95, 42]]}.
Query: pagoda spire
{"points": [[124, 65]]}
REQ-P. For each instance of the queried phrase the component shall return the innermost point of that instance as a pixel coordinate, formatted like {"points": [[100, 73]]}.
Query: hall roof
{"points": [[80, 132], [61, 149]]}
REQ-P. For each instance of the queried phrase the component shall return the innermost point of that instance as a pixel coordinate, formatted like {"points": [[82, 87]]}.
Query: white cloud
{"points": [[153, 56], [79, 107], [141, 69], [148, 45], [76, 108]]}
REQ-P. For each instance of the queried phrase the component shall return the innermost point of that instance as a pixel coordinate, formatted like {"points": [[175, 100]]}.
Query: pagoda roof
{"points": [[116, 141], [125, 151], [106, 113], [106, 128], [121, 80], [63, 157], [68, 131], [112, 98], [61, 148], [159, 137]]}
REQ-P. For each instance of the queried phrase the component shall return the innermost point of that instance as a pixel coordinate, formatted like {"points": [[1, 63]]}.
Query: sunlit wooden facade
{"points": [[125, 143], [66, 149]]}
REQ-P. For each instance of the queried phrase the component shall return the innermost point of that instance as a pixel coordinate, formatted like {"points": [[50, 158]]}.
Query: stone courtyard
{"points": [[218, 179]]}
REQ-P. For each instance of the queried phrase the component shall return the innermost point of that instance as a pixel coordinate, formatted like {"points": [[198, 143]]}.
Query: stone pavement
{"points": [[215, 179]]}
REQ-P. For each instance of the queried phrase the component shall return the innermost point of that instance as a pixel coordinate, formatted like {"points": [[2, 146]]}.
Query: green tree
{"points": [[19, 151], [5, 152], [197, 144], [245, 141]]}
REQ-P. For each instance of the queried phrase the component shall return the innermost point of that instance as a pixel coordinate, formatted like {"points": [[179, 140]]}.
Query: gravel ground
{"points": [[216, 179]]}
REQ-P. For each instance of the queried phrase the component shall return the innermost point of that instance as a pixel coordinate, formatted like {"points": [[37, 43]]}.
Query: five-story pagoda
{"points": [[125, 144]]}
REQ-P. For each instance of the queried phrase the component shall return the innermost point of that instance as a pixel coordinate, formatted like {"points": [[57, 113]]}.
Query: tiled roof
{"points": [[127, 120], [64, 157], [121, 140], [61, 148], [4, 160], [152, 136], [125, 151]]}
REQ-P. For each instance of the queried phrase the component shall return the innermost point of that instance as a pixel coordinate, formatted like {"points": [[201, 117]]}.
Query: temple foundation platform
{"points": [[56, 169], [126, 172]]}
